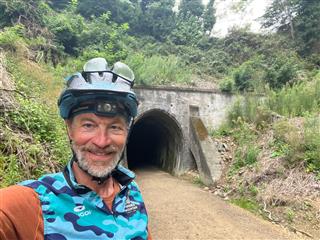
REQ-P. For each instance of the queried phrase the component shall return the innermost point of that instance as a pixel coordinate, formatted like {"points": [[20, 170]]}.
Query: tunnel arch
{"points": [[155, 140]]}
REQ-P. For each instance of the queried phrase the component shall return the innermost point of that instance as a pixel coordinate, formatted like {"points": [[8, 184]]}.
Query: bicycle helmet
{"points": [[99, 89]]}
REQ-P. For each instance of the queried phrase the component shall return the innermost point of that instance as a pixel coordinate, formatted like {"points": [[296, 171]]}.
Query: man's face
{"points": [[98, 142]]}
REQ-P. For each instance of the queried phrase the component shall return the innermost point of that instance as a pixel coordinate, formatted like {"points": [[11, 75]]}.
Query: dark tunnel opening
{"points": [[155, 140]]}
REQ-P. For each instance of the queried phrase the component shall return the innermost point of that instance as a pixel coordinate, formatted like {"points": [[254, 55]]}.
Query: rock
{"points": [[225, 146]]}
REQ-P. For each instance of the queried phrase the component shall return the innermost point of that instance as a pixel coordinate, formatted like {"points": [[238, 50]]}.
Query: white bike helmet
{"points": [[99, 89]]}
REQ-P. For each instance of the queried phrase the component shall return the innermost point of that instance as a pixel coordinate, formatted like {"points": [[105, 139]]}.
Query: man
{"points": [[94, 197]]}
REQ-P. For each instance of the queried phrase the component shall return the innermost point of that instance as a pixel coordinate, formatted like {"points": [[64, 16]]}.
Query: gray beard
{"points": [[95, 171]]}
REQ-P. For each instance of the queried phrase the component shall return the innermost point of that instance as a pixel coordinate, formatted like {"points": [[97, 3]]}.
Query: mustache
{"points": [[106, 150]]}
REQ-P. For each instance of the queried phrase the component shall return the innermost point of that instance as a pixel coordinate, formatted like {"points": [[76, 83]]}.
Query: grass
{"points": [[198, 181], [251, 115], [246, 203], [289, 213], [33, 137], [158, 70]]}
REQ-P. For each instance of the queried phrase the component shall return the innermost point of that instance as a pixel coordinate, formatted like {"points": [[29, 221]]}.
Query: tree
{"points": [[191, 7], [280, 15], [121, 11], [156, 19], [145, 3], [298, 17], [307, 24], [188, 30], [58, 5], [28, 13], [209, 18], [66, 27]]}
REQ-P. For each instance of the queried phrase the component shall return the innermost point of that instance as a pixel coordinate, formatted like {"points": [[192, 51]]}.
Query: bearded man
{"points": [[94, 197]]}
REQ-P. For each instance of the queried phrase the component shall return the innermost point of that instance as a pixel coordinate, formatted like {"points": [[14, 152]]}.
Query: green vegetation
{"points": [[275, 123], [198, 181], [297, 142], [158, 70], [276, 75], [247, 204], [33, 138]]}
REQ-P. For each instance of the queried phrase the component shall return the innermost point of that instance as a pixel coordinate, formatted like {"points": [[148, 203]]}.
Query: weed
{"points": [[312, 144], [158, 70], [33, 138], [223, 130], [289, 214], [197, 180], [245, 203], [253, 190], [244, 156]]}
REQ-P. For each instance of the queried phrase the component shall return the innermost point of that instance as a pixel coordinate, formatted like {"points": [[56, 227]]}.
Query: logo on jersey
{"points": [[81, 211], [130, 206]]}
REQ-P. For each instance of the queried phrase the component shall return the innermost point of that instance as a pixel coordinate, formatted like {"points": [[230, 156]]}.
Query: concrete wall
{"points": [[212, 105], [179, 104]]}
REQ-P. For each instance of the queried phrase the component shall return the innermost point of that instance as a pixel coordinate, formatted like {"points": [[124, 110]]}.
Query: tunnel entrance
{"points": [[155, 140]]}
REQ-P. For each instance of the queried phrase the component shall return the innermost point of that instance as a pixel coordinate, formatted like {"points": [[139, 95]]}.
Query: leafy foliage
{"points": [[299, 18], [33, 140], [165, 47], [66, 26], [11, 38], [191, 7], [301, 146], [188, 30], [24, 12], [297, 144], [158, 20], [209, 18], [157, 70], [101, 37]]}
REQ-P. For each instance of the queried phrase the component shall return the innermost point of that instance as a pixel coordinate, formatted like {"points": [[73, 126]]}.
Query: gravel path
{"points": [[180, 210]]}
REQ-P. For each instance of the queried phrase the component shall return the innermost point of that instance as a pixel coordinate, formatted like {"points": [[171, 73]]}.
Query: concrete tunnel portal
{"points": [[155, 140]]}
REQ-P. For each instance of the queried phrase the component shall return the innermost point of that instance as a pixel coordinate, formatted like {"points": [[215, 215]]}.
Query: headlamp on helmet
{"points": [[101, 108]]}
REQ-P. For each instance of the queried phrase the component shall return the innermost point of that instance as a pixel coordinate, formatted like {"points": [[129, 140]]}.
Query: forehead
{"points": [[98, 119]]}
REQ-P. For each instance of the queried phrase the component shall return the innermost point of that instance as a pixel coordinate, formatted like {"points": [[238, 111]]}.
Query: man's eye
{"points": [[115, 127], [87, 125]]}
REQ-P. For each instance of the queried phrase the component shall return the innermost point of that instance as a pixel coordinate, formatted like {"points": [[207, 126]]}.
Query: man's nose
{"points": [[102, 138]]}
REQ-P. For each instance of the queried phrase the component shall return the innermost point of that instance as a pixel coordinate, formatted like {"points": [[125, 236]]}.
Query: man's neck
{"points": [[104, 189]]}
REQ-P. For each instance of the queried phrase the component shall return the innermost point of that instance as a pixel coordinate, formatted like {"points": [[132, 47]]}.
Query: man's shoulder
{"points": [[46, 179], [20, 213], [17, 195]]}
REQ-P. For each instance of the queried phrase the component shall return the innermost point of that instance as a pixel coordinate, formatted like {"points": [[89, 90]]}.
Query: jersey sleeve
{"points": [[20, 214]]}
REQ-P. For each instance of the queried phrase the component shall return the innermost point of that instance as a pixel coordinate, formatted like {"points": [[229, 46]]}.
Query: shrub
{"points": [[33, 138], [12, 38], [302, 143], [249, 75], [246, 155], [282, 69], [227, 85], [298, 100], [66, 26], [312, 144], [158, 70]]}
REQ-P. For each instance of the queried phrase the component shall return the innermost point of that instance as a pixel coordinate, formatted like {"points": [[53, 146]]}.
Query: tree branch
{"points": [[13, 90]]}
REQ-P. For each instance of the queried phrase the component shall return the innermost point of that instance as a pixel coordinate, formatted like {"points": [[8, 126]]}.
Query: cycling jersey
{"points": [[73, 211]]}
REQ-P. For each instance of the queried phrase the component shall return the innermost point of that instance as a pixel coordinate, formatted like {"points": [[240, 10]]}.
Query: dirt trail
{"points": [[180, 210]]}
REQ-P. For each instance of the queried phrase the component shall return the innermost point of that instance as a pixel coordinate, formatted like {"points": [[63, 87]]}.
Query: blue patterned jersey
{"points": [[73, 211]]}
